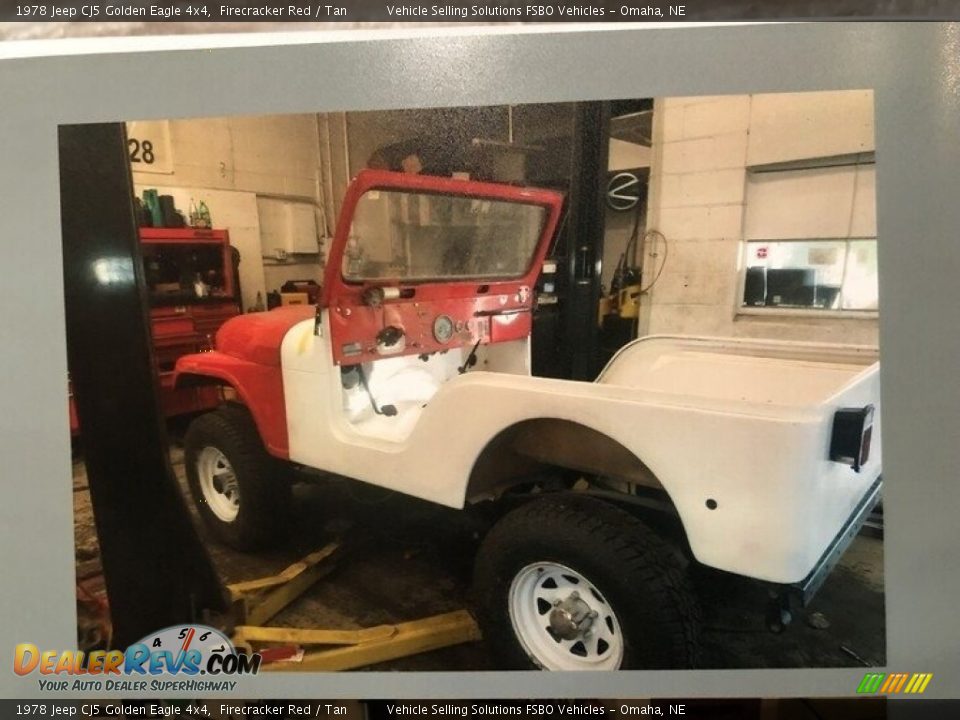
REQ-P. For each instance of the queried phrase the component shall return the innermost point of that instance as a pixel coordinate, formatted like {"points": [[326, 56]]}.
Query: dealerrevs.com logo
{"points": [[188, 651]]}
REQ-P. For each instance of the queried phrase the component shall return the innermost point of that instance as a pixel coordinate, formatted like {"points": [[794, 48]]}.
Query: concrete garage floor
{"points": [[404, 559]]}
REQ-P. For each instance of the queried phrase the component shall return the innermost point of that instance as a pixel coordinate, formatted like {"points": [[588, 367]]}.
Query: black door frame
{"points": [[157, 571]]}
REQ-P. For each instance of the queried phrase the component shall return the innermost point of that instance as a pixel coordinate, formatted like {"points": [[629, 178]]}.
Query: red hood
{"points": [[257, 337]]}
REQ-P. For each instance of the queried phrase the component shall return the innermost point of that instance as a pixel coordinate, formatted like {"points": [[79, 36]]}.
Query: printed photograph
{"points": [[571, 386]]}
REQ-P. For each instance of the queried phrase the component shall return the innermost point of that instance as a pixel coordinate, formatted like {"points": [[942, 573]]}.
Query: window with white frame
{"points": [[810, 238]]}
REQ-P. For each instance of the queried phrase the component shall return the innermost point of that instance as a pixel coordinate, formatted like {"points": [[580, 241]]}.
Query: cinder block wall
{"points": [[702, 147]]}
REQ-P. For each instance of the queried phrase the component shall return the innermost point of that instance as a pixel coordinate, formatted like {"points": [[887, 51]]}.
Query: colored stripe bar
{"points": [[870, 683], [900, 683], [890, 682], [893, 683], [914, 682]]}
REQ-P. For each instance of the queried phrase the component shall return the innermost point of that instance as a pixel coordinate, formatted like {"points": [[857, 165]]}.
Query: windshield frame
{"points": [[438, 278], [336, 284]]}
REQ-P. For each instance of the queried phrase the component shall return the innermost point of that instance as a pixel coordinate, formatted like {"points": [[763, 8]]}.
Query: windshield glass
{"points": [[414, 236]]}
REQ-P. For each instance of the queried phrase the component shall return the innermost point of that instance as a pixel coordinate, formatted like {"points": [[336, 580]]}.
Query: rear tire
{"points": [[241, 492], [572, 583]]}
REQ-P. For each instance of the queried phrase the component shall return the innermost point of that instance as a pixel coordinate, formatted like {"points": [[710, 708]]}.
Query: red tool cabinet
{"points": [[183, 320]]}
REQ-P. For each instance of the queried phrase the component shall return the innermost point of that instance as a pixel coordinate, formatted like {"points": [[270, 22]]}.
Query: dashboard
{"points": [[383, 320]]}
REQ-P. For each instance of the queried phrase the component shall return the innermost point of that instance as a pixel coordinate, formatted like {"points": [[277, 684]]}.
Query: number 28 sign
{"points": [[148, 146]]}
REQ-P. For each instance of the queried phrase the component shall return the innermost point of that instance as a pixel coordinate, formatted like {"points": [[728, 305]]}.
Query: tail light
{"points": [[852, 433]]}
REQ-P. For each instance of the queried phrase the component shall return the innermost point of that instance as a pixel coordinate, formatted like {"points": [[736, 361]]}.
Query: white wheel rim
{"points": [[218, 483], [541, 588]]}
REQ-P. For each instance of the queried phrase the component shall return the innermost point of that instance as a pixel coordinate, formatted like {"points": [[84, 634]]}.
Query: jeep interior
{"points": [[429, 285]]}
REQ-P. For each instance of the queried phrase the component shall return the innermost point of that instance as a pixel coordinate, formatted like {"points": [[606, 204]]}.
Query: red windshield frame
{"points": [[335, 285]]}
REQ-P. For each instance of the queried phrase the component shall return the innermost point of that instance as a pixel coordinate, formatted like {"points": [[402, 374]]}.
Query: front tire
{"points": [[240, 491], [572, 583]]}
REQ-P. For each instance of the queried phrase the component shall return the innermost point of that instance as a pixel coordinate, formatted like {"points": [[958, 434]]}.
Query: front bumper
{"points": [[808, 587]]}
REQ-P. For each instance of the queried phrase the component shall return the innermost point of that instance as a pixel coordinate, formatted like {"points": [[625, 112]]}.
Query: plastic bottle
{"points": [[203, 214]]}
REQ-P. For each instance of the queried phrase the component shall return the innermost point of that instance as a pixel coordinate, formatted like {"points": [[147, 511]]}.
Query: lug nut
{"points": [[574, 595], [594, 614]]}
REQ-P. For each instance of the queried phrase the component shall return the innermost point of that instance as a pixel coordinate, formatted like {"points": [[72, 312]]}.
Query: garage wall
{"points": [[272, 154], [702, 147], [228, 163]]}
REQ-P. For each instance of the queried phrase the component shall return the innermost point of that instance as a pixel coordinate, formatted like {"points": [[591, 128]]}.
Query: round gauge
{"points": [[187, 648], [443, 328]]}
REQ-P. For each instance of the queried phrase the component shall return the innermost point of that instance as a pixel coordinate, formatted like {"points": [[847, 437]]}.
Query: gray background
{"points": [[915, 72]]}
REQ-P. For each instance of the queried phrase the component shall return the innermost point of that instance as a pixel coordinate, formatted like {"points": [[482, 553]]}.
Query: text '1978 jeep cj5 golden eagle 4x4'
{"points": [[413, 374]]}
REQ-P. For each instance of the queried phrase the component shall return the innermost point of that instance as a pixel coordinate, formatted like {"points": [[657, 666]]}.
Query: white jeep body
{"points": [[736, 433], [744, 423]]}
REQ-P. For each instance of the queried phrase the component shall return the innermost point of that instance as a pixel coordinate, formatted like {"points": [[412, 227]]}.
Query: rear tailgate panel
{"points": [[758, 434]]}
